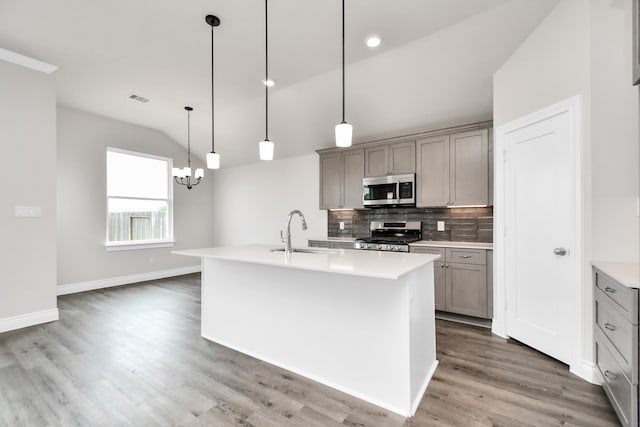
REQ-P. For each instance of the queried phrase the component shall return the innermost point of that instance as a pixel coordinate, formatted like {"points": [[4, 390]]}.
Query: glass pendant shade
{"points": [[344, 133], [199, 173], [213, 160], [186, 171], [266, 150]]}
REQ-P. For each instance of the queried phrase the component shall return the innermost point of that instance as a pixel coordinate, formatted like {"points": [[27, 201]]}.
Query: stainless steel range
{"points": [[391, 236]]}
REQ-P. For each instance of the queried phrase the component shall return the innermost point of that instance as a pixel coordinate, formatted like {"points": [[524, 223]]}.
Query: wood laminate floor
{"points": [[133, 355]]}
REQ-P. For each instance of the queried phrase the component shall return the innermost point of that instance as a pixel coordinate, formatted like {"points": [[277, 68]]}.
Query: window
{"points": [[139, 200]]}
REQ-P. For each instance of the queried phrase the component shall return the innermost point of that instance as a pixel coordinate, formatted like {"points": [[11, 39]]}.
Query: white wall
{"points": [[582, 47], [614, 134], [81, 183], [28, 138], [251, 202]]}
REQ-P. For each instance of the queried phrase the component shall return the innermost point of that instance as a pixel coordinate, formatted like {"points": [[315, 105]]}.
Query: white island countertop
{"points": [[384, 265]]}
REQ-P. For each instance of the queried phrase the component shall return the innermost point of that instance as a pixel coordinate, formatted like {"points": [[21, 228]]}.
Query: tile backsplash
{"points": [[460, 224]]}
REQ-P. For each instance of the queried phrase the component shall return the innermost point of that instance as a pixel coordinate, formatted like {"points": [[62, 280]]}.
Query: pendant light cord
{"points": [[343, 62], [188, 138], [213, 136], [266, 72]]}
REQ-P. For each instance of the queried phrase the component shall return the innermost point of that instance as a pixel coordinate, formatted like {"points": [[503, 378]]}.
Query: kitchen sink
{"points": [[308, 250]]}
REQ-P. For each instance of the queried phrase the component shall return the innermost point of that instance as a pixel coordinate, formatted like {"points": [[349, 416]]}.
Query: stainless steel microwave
{"points": [[388, 191]]}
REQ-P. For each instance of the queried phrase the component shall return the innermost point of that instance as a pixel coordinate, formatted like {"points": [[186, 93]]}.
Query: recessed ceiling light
{"points": [[268, 83], [373, 41]]}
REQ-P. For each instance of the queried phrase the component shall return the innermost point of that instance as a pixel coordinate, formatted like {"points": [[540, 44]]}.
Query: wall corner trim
{"points": [[28, 319], [73, 288], [27, 62]]}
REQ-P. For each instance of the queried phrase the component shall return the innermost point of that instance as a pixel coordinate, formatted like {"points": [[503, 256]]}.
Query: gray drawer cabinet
{"points": [[462, 281], [616, 344], [387, 159], [341, 176]]}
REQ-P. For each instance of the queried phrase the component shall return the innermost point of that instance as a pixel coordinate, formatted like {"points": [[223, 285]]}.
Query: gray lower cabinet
{"points": [[616, 344], [462, 282], [341, 176]]}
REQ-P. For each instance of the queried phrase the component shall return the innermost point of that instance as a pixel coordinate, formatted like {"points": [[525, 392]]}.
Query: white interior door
{"points": [[540, 237]]}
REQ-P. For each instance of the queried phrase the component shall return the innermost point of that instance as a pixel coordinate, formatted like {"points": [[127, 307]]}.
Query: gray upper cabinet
{"points": [[390, 159], [453, 170], [432, 171], [341, 176], [453, 167], [469, 168]]}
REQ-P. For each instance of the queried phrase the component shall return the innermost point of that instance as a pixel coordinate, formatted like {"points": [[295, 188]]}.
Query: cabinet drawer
{"points": [[625, 298], [622, 394], [428, 250], [467, 256], [621, 334]]}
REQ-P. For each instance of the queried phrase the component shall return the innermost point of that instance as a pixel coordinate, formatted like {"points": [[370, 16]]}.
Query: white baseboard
{"points": [[29, 319], [73, 288], [588, 371]]}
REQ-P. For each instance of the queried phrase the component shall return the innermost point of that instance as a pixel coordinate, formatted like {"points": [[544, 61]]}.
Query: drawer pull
{"points": [[610, 375], [610, 327], [465, 256], [610, 290]]}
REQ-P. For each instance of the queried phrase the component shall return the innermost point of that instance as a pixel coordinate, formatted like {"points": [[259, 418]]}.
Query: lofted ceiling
{"points": [[434, 66]]}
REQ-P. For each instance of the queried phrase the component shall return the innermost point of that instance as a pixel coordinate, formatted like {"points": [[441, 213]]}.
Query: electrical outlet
{"points": [[341, 225], [440, 225]]}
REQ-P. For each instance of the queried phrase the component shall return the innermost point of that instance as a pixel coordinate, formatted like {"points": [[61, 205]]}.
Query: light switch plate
{"points": [[28, 211], [341, 225], [440, 225]]}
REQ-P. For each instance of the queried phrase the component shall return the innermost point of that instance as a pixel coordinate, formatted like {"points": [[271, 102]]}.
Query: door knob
{"points": [[560, 251]]}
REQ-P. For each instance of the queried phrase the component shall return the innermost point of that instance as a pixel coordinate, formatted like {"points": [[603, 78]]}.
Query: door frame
{"points": [[572, 107]]}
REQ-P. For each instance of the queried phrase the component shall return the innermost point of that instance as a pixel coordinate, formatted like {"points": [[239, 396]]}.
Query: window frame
{"points": [[139, 244]]}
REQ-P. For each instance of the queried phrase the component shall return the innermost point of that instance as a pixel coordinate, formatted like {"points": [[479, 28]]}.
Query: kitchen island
{"points": [[361, 322]]}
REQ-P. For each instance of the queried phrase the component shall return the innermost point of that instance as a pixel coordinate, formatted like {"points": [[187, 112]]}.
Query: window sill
{"points": [[132, 246]]}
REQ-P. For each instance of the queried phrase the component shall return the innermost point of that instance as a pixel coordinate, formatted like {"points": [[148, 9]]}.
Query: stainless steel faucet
{"points": [[287, 238]]}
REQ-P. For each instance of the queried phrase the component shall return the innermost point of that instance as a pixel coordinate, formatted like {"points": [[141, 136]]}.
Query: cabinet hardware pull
{"points": [[610, 375], [610, 290], [610, 327], [447, 265], [465, 256]]}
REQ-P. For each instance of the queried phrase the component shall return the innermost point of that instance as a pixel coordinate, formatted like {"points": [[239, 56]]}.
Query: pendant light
{"points": [[183, 176], [266, 146], [344, 131], [213, 158]]}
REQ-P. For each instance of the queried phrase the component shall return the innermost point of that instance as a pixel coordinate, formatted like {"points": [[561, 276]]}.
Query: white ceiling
{"points": [[434, 67]]}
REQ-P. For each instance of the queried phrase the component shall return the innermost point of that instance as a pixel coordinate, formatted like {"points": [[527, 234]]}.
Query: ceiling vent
{"points": [[138, 98]]}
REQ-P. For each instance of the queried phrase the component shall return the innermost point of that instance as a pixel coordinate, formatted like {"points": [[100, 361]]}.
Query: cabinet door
{"points": [[330, 181], [468, 168], [376, 162], [432, 171], [467, 289], [402, 157], [353, 172]]}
